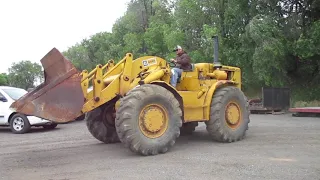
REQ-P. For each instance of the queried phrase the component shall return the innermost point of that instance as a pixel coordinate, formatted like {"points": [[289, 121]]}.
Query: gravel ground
{"points": [[276, 147]]}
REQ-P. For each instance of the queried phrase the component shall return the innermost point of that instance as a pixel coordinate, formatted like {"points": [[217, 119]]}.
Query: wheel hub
{"points": [[233, 114], [18, 124], [153, 121]]}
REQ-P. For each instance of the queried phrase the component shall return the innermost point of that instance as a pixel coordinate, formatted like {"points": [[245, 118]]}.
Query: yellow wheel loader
{"points": [[133, 102]]}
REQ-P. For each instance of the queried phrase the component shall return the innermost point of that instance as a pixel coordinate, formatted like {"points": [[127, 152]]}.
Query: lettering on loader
{"points": [[149, 62]]}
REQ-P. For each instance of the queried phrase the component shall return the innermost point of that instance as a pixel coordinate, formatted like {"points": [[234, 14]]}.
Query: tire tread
{"points": [[126, 128], [215, 126]]}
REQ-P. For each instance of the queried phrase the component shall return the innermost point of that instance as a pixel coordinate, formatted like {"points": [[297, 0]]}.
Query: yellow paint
{"points": [[155, 75], [153, 120], [233, 114], [109, 79], [201, 93], [193, 106], [203, 69], [189, 81], [106, 95], [235, 73], [126, 76], [84, 82], [98, 82], [218, 74]]}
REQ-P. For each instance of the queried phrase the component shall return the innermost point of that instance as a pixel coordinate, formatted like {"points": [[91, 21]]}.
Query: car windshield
{"points": [[14, 93]]}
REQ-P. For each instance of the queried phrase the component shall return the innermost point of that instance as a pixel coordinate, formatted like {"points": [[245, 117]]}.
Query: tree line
{"points": [[275, 42]]}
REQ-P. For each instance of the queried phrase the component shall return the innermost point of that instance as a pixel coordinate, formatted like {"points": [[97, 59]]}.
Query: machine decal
{"points": [[149, 62]]}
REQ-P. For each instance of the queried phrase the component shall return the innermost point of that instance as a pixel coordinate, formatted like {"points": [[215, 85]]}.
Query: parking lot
{"points": [[276, 147]]}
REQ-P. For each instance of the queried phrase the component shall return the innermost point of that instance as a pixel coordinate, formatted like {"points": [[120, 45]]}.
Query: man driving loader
{"points": [[182, 62]]}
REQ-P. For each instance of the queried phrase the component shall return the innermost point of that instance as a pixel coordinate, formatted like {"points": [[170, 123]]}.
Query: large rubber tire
{"points": [[127, 119], [217, 126], [100, 123], [188, 128]]}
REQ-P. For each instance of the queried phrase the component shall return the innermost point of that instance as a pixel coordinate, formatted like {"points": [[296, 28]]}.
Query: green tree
{"points": [[3, 79], [24, 74], [274, 42]]}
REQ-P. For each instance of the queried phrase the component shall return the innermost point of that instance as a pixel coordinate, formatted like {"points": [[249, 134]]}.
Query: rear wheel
{"points": [[100, 123], [229, 117], [148, 120]]}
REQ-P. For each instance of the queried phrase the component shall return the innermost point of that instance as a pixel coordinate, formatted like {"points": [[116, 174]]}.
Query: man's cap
{"points": [[177, 48]]}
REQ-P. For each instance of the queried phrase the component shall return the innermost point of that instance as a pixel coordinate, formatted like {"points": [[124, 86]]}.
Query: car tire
{"points": [[19, 124]]}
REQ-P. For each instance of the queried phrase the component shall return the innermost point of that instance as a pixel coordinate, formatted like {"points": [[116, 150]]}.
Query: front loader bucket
{"points": [[60, 97]]}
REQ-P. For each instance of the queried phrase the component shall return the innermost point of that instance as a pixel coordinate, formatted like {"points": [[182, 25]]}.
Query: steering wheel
{"points": [[172, 64]]}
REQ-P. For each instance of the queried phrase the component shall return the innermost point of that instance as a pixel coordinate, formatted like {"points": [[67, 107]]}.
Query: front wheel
{"points": [[100, 123], [229, 117], [148, 120], [19, 124]]}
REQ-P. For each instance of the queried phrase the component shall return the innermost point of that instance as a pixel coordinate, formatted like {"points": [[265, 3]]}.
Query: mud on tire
{"points": [[129, 129], [100, 123], [218, 127]]}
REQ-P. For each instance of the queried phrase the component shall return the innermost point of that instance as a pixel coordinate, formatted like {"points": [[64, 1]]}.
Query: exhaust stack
{"points": [[216, 62]]}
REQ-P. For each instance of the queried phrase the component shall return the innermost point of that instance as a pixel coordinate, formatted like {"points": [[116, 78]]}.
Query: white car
{"points": [[19, 123]]}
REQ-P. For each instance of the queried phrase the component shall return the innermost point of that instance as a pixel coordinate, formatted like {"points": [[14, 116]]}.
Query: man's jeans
{"points": [[176, 73]]}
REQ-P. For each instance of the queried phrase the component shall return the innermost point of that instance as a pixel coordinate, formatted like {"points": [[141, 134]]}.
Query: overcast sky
{"points": [[31, 28]]}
